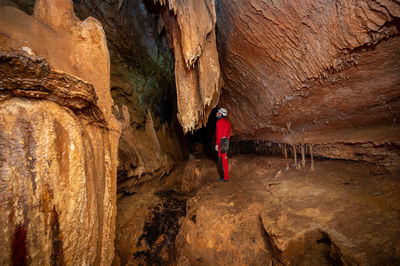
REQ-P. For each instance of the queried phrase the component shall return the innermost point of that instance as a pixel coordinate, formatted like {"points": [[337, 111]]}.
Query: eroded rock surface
{"points": [[144, 154], [296, 71], [59, 139]]}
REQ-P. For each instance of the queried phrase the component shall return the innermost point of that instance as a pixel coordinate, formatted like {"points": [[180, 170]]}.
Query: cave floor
{"points": [[342, 213], [353, 207]]}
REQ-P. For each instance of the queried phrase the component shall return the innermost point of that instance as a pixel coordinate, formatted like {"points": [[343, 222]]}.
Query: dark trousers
{"points": [[223, 158]]}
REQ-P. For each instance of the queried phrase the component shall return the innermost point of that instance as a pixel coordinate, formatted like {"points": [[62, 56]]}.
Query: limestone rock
{"points": [[133, 212], [142, 157], [58, 141], [142, 87], [315, 66], [52, 186], [300, 218], [197, 70]]}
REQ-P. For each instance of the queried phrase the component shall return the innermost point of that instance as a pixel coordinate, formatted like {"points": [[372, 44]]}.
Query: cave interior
{"points": [[108, 120]]}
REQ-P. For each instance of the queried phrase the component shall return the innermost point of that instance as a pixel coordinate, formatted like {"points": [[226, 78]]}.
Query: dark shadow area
{"points": [[202, 141], [159, 233], [255, 147]]}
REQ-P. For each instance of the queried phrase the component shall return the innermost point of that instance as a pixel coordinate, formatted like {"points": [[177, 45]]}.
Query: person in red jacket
{"points": [[222, 135]]}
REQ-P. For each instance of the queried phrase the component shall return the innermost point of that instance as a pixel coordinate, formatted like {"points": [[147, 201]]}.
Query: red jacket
{"points": [[223, 130]]}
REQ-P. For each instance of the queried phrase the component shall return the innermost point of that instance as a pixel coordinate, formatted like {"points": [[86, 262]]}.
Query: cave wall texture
{"points": [[142, 86], [58, 138], [322, 73], [296, 71]]}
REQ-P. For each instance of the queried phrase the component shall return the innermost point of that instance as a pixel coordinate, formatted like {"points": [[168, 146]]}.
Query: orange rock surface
{"points": [[295, 70], [58, 141], [197, 72]]}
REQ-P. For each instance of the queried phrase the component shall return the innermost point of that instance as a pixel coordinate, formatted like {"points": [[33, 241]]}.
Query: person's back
{"points": [[223, 129]]}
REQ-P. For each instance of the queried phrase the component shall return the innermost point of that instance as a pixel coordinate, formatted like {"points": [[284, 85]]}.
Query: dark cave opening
{"points": [[202, 141]]}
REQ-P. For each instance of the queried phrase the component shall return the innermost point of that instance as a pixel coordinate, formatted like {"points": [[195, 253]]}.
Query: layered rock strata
{"points": [[59, 139]]}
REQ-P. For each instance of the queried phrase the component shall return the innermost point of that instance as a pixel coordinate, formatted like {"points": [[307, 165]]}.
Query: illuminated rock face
{"points": [[142, 87], [297, 71], [191, 33], [58, 139]]}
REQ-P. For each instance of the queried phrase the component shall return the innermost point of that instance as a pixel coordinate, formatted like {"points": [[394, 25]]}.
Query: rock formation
{"points": [[190, 27], [266, 216], [59, 138], [322, 72], [142, 87], [191, 31]]}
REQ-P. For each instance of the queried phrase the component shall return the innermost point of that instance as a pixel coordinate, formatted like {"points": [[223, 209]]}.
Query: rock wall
{"points": [[295, 71], [143, 89], [59, 139], [144, 154]]}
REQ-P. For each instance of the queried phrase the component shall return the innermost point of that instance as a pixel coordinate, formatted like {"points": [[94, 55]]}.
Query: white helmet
{"points": [[223, 111]]}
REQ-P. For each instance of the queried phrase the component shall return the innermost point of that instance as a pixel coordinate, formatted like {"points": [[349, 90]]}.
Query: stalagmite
{"points": [[284, 151], [312, 158], [303, 157]]}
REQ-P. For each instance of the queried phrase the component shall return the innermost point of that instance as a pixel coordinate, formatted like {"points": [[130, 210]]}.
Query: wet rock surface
{"points": [[342, 213], [157, 243], [148, 220]]}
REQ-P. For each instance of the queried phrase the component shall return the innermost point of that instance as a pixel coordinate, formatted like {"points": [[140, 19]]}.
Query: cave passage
{"points": [[202, 141], [106, 157]]}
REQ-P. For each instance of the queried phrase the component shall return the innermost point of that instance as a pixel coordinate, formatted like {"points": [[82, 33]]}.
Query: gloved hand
{"points": [[216, 147]]}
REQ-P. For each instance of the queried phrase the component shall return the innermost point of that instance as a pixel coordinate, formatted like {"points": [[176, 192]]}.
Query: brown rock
{"points": [[303, 218], [197, 71], [81, 52], [58, 141], [315, 66], [141, 155]]}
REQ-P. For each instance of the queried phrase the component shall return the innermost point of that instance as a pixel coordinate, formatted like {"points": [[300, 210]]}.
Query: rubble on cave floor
{"points": [[342, 213]]}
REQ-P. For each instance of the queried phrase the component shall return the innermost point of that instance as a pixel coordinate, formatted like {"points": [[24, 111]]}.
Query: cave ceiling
{"points": [[296, 71], [293, 71]]}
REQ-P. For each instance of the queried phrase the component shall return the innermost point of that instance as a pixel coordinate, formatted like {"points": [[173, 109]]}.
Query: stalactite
{"points": [[285, 151], [303, 156], [312, 157]]}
